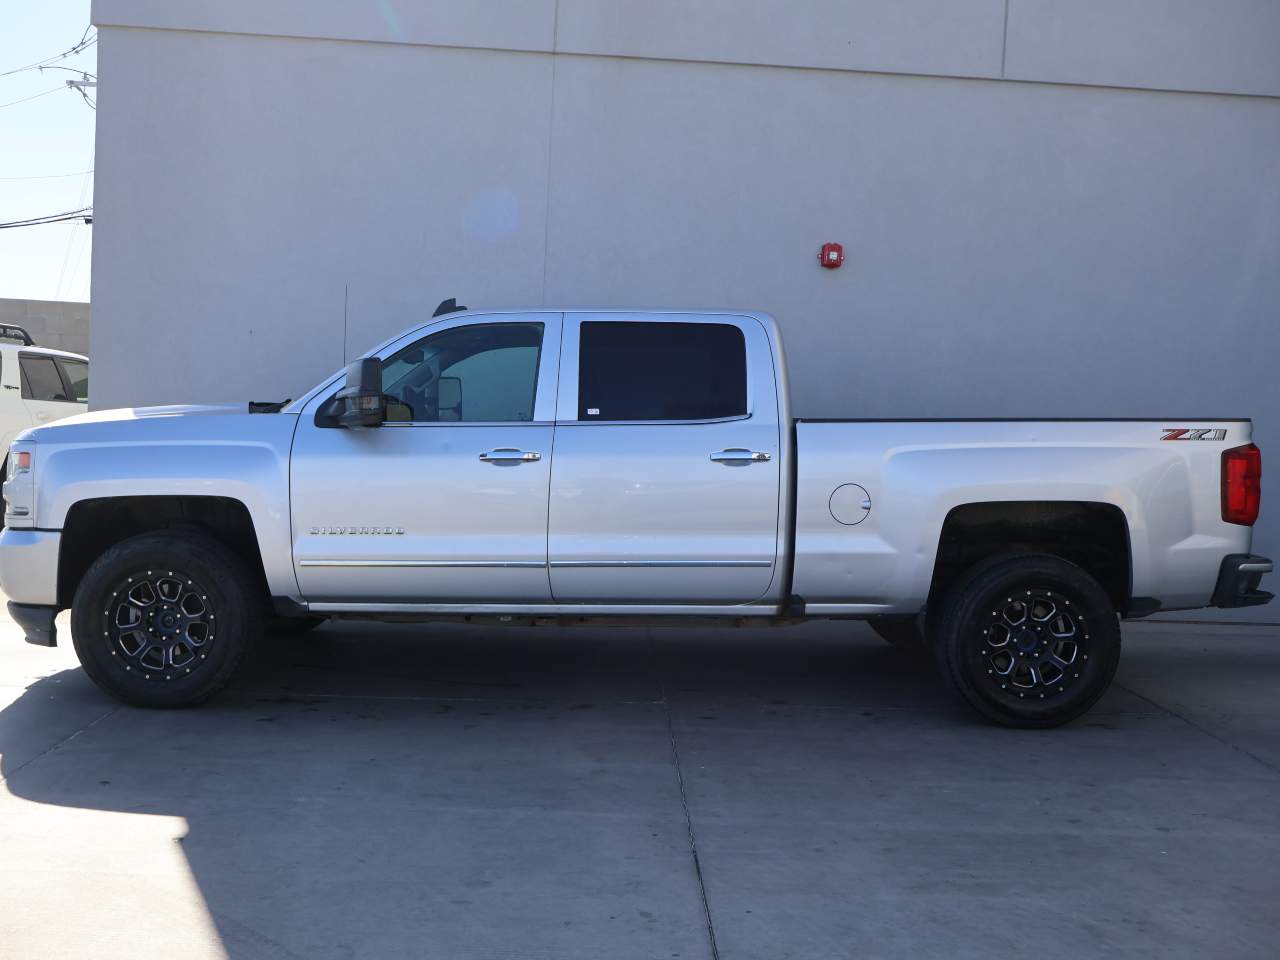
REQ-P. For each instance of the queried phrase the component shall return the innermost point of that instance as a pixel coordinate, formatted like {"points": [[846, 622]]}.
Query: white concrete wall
{"points": [[63, 324], [1037, 221]]}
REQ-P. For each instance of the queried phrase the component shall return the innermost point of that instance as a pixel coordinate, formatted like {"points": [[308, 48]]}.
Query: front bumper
{"points": [[29, 565], [1238, 580]]}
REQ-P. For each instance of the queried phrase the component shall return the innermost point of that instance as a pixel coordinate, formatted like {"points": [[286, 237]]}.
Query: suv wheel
{"points": [[1030, 641], [164, 619]]}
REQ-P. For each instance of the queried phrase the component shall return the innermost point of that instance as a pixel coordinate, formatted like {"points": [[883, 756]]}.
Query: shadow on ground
{"points": [[375, 791]]}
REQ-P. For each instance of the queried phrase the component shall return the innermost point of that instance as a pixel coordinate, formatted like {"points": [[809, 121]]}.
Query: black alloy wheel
{"points": [[1029, 641], [164, 619]]}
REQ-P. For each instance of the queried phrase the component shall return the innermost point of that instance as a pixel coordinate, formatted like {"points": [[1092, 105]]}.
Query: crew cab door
{"points": [[665, 483], [447, 501]]}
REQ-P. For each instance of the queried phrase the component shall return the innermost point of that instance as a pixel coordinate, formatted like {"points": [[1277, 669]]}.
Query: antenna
{"points": [[345, 290], [448, 306]]}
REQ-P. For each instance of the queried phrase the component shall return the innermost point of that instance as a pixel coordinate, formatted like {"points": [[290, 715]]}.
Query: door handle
{"points": [[738, 455], [510, 455]]}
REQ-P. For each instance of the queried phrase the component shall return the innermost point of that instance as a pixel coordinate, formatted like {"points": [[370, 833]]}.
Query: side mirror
{"points": [[449, 398], [360, 401]]}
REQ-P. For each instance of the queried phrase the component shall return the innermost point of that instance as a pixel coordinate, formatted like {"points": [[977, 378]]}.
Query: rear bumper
{"points": [[36, 622], [1238, 580]]}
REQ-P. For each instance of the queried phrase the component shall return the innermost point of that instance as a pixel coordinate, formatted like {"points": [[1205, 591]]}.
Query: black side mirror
{"points": [[360, 401], [449, 398]]}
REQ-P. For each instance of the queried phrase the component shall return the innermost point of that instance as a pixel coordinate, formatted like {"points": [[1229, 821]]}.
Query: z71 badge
{"points": [[1186, 433]]}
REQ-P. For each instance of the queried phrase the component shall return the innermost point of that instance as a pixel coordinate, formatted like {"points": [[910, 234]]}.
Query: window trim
{"points": [[570, 364]]}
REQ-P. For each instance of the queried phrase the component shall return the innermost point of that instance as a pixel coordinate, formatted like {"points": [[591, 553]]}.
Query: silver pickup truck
{"points": [[585, 466]]}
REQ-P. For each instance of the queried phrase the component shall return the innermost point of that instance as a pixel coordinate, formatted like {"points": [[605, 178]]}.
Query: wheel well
{"points": [[94, 526], [1094, 536]]}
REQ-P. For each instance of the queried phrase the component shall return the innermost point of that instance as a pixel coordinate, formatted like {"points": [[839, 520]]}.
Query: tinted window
{"points": [[661, 371], [77, 374], [472, 373], [41, 380]]}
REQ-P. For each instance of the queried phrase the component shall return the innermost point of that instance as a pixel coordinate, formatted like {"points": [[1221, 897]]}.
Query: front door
{"points": [[665, 485], [447, 501]]}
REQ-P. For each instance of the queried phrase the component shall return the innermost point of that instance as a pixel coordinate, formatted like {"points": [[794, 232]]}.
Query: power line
{"points": [[34, 96], [84, 213], [51, 176], [80, 47], [84, 191]]}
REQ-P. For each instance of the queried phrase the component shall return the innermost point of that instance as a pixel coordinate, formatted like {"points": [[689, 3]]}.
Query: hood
{"points": [[217, 420]]}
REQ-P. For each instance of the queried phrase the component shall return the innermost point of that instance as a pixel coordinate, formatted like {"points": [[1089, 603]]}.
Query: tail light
{"points": [[1241, 484]]}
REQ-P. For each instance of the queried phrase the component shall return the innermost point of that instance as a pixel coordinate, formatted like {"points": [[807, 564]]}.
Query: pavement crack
{"points": [[1201, 729], [684, 800], [6, 777]]}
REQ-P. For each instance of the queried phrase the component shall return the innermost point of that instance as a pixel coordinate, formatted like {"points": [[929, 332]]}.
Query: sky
{"points": [[50, 138]]}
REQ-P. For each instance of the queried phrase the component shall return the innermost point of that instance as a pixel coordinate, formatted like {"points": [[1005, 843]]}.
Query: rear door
{"points": [[665, 480]]}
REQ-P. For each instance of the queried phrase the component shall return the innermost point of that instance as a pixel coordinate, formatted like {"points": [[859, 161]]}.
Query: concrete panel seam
{"points": [[978, 78], [551, 136], [1004, 40]]}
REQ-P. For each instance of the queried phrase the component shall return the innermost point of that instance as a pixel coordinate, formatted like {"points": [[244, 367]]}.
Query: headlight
{"points": [[19, 462], [19, 486]]}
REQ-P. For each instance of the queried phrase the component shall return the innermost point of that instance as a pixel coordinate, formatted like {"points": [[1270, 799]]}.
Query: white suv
{"points": [[37, 385]]}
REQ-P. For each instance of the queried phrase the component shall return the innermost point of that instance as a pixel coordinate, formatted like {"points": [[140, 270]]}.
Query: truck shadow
{"points": [[399, 790]]}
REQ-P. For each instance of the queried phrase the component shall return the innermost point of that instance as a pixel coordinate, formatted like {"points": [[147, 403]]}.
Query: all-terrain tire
{"points": [[165, 619], [1029, 641]]}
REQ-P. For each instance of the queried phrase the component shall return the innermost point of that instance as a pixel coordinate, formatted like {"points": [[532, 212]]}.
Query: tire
{"points": [[1036, 673], [165, 619], [277, 626], [901, 632]]}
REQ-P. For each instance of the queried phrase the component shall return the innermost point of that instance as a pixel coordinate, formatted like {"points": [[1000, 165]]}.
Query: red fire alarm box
{"points": [[831, 255]]}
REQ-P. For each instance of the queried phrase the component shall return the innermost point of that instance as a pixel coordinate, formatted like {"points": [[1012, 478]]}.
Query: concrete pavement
{"points": [[454, 792]]}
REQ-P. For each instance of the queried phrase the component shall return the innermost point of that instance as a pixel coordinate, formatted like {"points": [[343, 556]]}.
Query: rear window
{"points": [[661, 371]]}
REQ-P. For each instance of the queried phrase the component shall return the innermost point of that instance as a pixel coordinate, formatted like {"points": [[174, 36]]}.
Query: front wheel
{"points": [[164, 619], [1029, 641]]}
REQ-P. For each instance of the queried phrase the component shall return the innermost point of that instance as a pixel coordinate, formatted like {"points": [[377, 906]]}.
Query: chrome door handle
{"points": [[510, 455], [737, 455]]}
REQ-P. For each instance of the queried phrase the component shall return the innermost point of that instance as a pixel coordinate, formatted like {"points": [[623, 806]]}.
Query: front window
{"points": [[475, 373]]}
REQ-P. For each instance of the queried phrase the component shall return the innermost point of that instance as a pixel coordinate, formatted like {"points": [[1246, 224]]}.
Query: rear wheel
{"points": [[1029, 641], [164, 619]]}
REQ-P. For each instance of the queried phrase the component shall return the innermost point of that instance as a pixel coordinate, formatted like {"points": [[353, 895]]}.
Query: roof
{"points": [[50, 351]]}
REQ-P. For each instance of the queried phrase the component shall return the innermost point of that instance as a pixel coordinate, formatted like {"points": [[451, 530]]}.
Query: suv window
{"points": [[41, 379], [480, 372], [76, 373], [661, 371]]}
